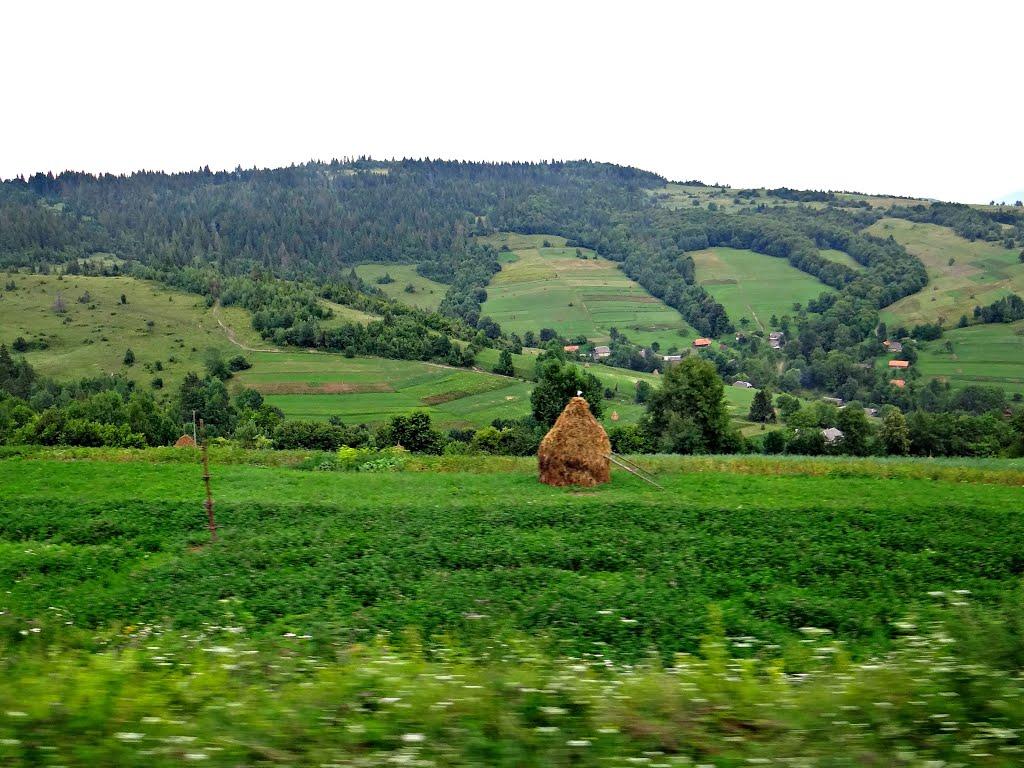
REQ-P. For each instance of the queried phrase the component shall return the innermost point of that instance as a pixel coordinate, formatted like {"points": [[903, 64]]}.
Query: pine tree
{"points": [[761, 409], [505, 366]]}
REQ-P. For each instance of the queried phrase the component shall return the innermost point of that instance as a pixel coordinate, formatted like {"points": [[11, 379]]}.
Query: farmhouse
{"points": [[701, 342], [671, 358], [871, 412], [742, 384], [571, 348], [901, 383], [776, 339], [899, 364], [893, 346], [832, 435], [601, 352]]}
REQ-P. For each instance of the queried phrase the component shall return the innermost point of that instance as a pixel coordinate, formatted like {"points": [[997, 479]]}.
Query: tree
{"points": [[58, 305], [856, 429], [505, 366], [124, 299], [557, 383], [893, 435], [412, 432], [129, 357], [788, 405], [688, 413], [761, 408]]}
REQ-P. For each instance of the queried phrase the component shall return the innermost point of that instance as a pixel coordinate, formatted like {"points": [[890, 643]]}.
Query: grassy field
{"points": [[551, 287], [349, 555], [427, 294], [343, 314], [992, 355], [840, 257], [980, 273], [370, 390], [90, 339], [459, 613], [753, 285]]}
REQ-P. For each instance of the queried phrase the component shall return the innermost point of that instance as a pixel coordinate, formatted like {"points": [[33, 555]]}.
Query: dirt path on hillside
{"points": [[230, 333]]}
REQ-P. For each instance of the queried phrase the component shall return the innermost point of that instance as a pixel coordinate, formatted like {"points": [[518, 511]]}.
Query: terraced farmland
{"points": [[962, 274], [752, 285], [583, 294]]}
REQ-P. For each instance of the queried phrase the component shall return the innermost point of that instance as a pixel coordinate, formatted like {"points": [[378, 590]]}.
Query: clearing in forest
{"points": [[425, 293], [577, 293], [753, 285], [961, 274]]}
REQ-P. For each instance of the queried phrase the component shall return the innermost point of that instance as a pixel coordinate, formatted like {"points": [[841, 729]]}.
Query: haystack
{"points": [[185, 441], [576, 450]]}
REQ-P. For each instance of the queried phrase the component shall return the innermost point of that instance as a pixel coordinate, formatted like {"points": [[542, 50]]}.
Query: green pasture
{"points": [[990, 355], [753, 285], [426, 293], [551, 287], [349, 555], [90, 338], [980, 273], [840, 257], [341, 314]]}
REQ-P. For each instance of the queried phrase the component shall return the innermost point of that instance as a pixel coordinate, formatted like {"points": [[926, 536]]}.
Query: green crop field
{"points": [[458, 613], [991, 355], [355, 553], [980, 273], [426, 293], [551, 287], [753, 285], [90, 338]]}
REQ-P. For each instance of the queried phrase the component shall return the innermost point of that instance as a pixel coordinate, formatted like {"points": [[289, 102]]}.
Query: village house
{"points": [[701, 342], [571, 348], [832, 435], [900, 383], [601, 352], [899, 364], [776, 339], [671, 358], [872, 412], [892, 346], [742, 384]]}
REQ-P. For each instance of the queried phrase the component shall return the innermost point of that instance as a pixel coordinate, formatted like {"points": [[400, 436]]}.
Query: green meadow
{"points": [[552, 287], [840, 257], [426, 293], [991, 355], [160, 325], [752, 285], [961, 274]]}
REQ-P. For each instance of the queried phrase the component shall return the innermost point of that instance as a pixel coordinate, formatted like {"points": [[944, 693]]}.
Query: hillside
{"points": [[575, 292], [168, 331], [962, 274]]}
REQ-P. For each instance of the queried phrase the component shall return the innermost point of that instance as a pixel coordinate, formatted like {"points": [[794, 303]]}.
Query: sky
{"points": [[910, 98]]}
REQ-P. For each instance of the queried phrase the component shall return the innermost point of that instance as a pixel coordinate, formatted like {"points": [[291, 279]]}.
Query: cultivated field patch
{"points": [[575, 292], [991, 355], [752, 285]]}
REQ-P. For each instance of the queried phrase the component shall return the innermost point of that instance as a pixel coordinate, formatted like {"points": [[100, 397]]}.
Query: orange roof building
{"points": [[702, 342], [571, 348], [899, 364], [899, 383]]}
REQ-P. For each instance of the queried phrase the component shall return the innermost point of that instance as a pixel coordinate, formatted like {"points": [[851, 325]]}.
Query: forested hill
{"points": [[204, 231]]}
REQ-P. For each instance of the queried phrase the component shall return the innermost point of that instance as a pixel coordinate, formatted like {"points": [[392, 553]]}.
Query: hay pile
{"points": [[575, 451], [185, 441]]}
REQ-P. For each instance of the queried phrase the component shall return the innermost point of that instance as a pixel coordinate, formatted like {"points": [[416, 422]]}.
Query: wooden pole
{"points": [[206, 482]]}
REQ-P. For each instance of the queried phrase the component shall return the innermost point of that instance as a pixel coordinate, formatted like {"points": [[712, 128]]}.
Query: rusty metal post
{"points": [[206, 482]]}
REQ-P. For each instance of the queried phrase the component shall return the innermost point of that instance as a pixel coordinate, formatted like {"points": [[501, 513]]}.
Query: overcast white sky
{"points": [[916, 98]]}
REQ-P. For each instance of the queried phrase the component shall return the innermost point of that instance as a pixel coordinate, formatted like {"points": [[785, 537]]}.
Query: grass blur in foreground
{"points": [[949, 693]]}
